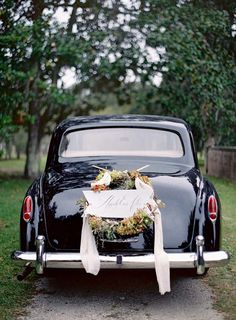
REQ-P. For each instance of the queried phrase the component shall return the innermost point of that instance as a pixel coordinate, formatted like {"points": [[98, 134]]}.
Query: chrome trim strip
{"points": [[73, 260]]}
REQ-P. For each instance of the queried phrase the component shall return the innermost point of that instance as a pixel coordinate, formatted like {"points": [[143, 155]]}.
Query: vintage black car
{"points": [[51, 217]]}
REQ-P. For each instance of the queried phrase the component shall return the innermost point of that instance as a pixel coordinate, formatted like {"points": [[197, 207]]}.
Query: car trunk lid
{"points": [[175, 185]]}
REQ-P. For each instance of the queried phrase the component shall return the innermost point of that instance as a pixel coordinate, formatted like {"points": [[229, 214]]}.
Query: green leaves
{"points": [[199, 69], [116, 50]]}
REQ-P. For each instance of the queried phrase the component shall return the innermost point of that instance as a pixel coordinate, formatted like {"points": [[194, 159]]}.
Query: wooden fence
{"points": [[222, 162]]}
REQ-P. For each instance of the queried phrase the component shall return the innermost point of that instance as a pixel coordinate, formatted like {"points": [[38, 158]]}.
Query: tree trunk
{"points": [[18, 154], [8, 150], [32, 165]]}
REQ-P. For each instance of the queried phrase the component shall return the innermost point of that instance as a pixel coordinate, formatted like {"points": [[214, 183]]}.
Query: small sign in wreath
{"points": [[117, 229]]}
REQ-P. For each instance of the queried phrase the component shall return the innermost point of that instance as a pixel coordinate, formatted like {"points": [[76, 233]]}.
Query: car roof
{"points": [[122, 119]]}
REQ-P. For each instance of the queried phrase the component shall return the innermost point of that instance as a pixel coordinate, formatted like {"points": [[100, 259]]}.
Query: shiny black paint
{"points": [[179, 184]]}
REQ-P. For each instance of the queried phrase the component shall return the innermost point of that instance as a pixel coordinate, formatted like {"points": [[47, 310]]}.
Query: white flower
{"points": [[105, 180]]}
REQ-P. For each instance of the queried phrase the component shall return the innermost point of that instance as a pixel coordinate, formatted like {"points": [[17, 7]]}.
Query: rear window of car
{"points": [[121, 142]]}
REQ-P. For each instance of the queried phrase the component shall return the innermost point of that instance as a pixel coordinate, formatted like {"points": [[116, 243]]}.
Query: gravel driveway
{"points": [[119, 294]]}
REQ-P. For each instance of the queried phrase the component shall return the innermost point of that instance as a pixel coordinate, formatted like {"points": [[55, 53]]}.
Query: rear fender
{"points": [[30, 230], [204, 226]]}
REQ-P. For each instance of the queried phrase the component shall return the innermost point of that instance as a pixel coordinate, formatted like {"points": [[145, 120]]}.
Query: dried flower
{"points": [[97, 187], [112, 229]]}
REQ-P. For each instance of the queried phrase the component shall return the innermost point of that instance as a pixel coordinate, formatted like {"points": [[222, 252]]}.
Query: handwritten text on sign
{"points": [[116, 203]]}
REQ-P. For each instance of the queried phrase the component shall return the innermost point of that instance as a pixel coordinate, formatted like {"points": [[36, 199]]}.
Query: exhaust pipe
{"points": [[28, 269]]}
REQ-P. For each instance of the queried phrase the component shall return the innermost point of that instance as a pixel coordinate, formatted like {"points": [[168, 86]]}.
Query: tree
{"points": [[119, 49], [37, 49], [25, 85], [198, 66]]}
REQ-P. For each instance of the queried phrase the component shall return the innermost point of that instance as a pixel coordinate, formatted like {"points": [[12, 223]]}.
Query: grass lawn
{"points": [[16, 167], [13, 294], [13, 166], [223, 279]]}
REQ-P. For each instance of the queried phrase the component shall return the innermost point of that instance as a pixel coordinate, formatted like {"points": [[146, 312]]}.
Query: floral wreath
{"points": [[117, 229]]}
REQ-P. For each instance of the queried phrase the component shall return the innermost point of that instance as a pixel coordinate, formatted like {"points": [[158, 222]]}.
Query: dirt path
{"points": [[119, 295]]}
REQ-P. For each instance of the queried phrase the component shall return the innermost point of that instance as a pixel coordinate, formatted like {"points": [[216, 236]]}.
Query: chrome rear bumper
{"points": [[199, 259], [73, 260]]}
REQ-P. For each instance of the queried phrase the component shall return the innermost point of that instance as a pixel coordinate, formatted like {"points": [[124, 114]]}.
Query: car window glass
{"points": [[121, 141]]}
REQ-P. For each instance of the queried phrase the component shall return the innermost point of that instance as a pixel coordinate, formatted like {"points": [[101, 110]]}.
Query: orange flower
{"points": [[98, 188]]}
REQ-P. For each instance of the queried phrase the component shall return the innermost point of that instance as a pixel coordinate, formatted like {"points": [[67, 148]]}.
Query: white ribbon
{"points": [[162, 265], [88, 249], [90, 255]]}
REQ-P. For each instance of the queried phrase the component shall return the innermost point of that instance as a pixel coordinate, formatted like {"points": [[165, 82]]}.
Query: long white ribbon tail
{"points": [[88, 249], [162, 264]]}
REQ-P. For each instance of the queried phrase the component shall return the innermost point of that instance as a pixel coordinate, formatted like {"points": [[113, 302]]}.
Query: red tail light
{"points": [[212, 208], [27, 208]]}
